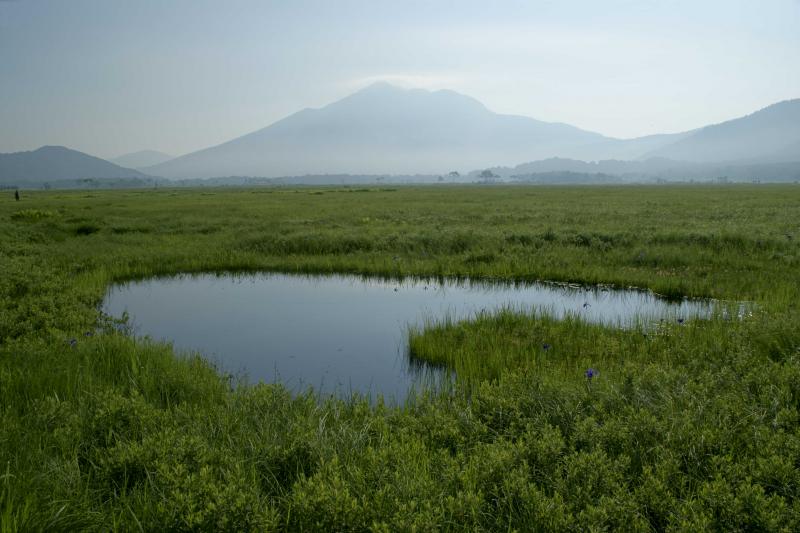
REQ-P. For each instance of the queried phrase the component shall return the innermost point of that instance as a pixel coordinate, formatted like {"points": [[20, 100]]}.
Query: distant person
{"points": [[16, 195]]}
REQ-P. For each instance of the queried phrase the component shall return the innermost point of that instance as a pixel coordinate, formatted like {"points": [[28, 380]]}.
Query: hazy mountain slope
{"points": [[789, 152], [754, 136], [387, 130], [623, 149], [383, 129], [141, 159], [53, 163]]}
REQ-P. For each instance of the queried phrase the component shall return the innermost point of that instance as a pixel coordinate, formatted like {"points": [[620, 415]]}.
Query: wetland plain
{"points": [[550, 420]]}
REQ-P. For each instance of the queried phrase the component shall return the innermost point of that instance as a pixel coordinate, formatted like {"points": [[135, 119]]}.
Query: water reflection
{"points": [[342, 333]]}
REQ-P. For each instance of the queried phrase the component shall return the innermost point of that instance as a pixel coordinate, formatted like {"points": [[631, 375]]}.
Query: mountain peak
{"points": [[52, 148], [54, 163], [382, 129], [383, 97], [380, 85]]}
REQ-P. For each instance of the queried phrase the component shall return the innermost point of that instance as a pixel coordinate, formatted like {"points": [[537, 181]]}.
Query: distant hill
{"points": [[54, 163], [569, 178], [383, 129], [774, 130], [654, 169], [656, 166], [141, 159]]}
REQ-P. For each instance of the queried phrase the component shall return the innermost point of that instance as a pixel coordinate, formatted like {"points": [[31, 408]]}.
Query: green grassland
{"points": [[688, 426]]}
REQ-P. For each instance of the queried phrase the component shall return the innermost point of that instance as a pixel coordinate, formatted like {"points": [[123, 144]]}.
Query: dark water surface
{"points": [[343, 333]]}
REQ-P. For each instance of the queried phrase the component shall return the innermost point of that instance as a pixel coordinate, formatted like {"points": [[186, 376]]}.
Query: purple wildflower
{"points": [[681, 320], [546, 347], [73, 342], [591, 373]]}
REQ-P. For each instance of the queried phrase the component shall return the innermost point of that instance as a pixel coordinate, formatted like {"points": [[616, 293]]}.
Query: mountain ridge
{"points": [[387, 130], [384, 129], [751, 136], [56, 163]]}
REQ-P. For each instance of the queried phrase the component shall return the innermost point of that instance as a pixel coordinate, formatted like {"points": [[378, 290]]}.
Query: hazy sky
{"points": [[110, 77]]}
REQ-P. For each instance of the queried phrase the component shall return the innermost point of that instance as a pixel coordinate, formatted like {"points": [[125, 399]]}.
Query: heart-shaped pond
{"points": [[341, 333]]}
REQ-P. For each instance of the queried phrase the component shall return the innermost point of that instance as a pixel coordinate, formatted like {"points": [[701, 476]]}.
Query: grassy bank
{"points": [[693, 426]]}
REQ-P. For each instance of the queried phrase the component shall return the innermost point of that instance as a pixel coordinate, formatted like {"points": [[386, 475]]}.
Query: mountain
{"points": [[772, 131], [383, 129], [141, 159], [55, 163]]}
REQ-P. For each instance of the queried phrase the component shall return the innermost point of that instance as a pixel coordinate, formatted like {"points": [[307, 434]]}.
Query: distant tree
{"points": [[488, 176], [16, 195]]}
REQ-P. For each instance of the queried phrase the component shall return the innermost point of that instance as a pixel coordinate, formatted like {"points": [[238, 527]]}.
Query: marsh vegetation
{"points": [[552, 424]]}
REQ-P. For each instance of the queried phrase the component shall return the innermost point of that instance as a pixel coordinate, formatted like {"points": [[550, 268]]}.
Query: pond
{"points": [[340, 333]]}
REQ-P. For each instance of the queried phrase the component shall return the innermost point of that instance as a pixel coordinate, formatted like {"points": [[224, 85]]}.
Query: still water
{"points": [[341, 334]]}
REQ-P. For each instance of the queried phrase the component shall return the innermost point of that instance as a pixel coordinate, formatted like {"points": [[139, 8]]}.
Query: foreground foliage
{"points": [[688, 426]]}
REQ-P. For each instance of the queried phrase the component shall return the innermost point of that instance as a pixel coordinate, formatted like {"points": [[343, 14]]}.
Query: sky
{"points": [[113, 77]]}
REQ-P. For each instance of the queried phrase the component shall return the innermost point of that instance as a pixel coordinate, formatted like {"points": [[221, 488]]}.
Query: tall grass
{"points": [[688, 426]]}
